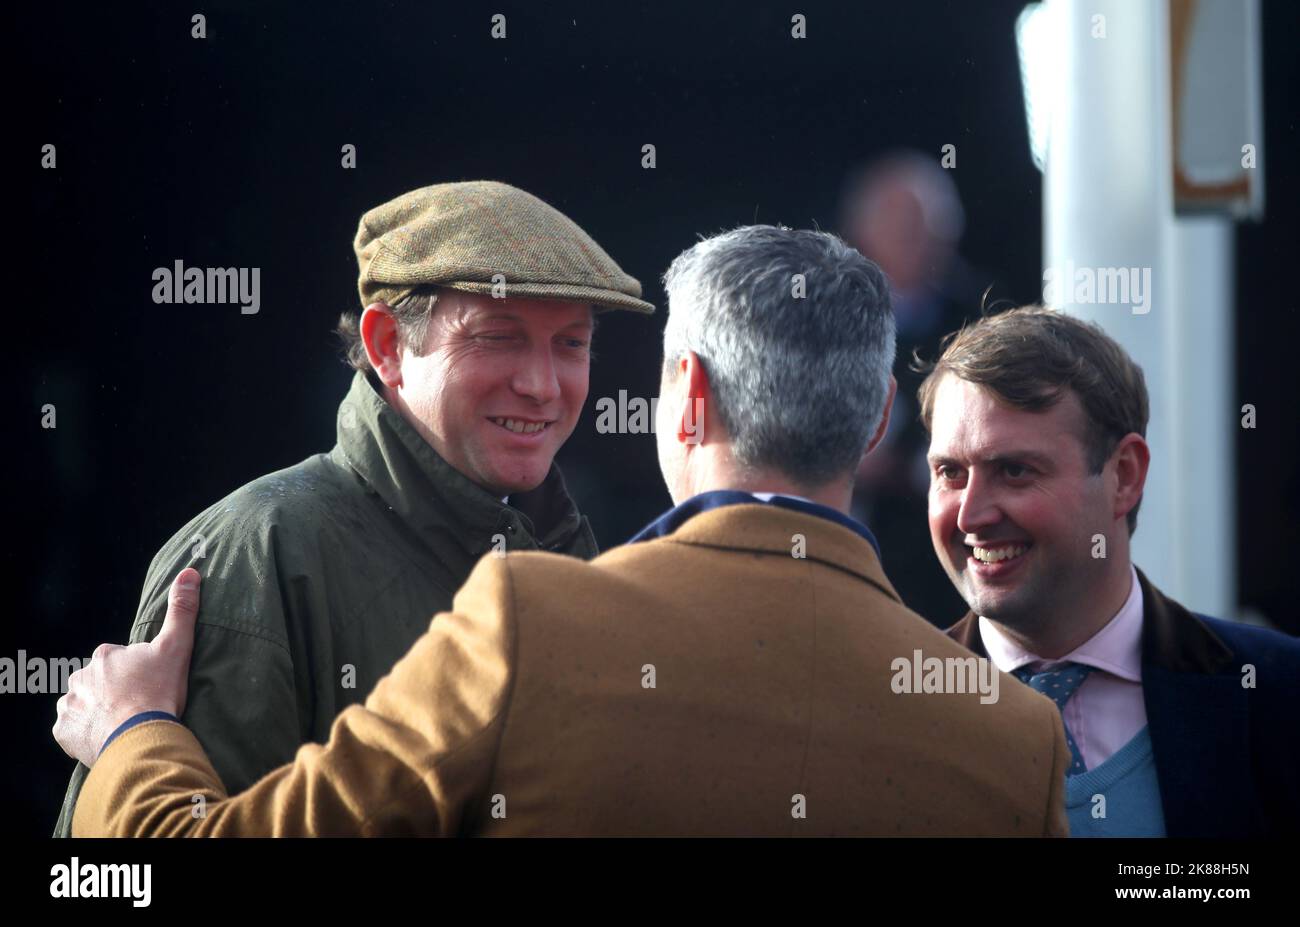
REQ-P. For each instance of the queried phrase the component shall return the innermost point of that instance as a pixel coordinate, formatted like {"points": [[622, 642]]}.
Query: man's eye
{"points": [[1015, 471], [948, 472]]}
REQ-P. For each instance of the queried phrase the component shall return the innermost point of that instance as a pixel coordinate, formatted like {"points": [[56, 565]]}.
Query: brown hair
{"points": [[1029, 357], [412, 313]]}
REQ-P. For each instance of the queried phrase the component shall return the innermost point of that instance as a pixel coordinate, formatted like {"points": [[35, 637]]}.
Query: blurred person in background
{"points": [[903, 212]]}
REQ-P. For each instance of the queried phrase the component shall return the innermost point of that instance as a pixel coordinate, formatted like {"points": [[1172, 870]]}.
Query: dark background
{"points": [[226, 152]]}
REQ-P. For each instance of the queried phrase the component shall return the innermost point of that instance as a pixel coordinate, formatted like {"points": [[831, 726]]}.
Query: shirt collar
{"points": [[671, 520], [1116, 648]]}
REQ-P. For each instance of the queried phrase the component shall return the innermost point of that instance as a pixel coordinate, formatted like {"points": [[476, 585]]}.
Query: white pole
{"points": [[1108, 203]]}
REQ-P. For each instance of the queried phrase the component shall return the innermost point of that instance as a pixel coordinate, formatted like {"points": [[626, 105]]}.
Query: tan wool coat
{"points": [[704, 683]]}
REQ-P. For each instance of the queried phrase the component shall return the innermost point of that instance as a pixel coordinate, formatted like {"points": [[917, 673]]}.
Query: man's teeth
{"points": [[998, 554], [518, 427]]}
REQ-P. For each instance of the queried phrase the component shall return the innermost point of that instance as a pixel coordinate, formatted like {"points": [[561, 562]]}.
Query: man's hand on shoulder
{"points": [[122, 682]]}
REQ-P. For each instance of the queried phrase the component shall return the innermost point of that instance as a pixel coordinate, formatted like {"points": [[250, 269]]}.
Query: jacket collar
{"points": [[1175, 639], [671, 520], [437, 500], [756, 527], [1172, 637], [966, 631]]}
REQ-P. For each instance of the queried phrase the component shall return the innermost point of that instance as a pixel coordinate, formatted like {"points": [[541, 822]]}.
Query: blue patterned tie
{"points": [[1058, 685]]}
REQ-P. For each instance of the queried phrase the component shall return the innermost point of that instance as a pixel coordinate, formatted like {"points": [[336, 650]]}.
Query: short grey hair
{"points": [[799, 382]]}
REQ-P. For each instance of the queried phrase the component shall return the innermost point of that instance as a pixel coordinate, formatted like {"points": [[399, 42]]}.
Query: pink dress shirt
{"points": [[1107, 710]]}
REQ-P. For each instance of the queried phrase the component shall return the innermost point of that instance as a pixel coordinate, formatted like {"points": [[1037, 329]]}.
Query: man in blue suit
{"points": [[1178, 724]]}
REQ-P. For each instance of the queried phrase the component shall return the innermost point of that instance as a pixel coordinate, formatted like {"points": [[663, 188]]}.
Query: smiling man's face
{"points": [[499, 384], [1013, 509]]}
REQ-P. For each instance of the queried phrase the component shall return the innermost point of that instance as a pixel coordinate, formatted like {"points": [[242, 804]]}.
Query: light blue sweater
{"points": [[1127, 781]]}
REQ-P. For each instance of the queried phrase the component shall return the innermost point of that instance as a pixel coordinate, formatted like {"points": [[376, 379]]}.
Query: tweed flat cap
{"points": [[458, 235]]}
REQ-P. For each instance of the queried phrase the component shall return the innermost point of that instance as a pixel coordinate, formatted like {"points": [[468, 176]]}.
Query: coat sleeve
{"points": [[416, 759], [244, 703]]}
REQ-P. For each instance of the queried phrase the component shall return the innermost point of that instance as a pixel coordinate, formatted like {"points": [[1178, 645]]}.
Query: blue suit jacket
{"points": [[1227, 756]]}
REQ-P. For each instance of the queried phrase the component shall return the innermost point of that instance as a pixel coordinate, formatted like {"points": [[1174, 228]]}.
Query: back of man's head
{"points": [[795, 333]]}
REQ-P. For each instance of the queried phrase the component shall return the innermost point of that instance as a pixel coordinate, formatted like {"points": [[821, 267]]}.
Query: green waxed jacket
{"points": [[319, 577]]}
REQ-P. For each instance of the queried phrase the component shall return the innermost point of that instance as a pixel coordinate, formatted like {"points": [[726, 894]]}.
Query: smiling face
{"points": [[1013, 510], [498, 385]]}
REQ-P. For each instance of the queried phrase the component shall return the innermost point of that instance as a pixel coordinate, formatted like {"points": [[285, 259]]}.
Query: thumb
{"points": [[177, 635]]}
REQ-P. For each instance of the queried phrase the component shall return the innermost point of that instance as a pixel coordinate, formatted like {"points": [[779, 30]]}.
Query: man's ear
{"points": [[698, 396], [884, 418], [383, 346], [1131, 459]]}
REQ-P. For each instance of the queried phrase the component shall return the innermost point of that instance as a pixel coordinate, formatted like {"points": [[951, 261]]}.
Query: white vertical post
{"points": [[1108, 203], [1205, 416]]}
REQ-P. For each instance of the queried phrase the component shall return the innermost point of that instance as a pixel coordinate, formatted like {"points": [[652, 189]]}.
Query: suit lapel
{"points": [[967, 633]]}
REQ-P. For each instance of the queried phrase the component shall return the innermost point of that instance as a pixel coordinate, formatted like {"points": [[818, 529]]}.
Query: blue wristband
{"points": [[138, 719]]}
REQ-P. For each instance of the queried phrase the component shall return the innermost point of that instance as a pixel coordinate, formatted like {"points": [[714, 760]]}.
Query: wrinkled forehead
{"points": [[971, 422]]}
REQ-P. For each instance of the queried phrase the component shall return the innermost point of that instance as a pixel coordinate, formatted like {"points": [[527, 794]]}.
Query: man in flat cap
{"points": [[472, 357], [733, 670]]}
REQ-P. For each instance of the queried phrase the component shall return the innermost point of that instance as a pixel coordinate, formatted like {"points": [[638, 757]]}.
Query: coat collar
{"points": [[771, 529], [966, 632], [671, 520], [444, 506], [1172, 637], [1175, 639]]}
